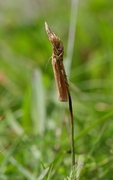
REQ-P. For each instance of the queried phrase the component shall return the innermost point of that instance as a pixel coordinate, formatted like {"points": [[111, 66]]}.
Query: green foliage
{"points": [[36, 125]]}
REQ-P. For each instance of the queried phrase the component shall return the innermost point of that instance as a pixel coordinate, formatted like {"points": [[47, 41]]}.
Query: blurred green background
{"points": [[36, 124]]}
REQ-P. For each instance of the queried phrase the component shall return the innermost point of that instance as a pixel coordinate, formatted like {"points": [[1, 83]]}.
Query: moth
{"points": [[58, 66]]}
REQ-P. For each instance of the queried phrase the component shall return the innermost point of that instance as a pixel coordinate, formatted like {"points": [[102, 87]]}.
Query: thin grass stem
{"points": [[72, 129]]}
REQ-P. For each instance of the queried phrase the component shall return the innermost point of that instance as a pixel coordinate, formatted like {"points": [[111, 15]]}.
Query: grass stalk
{"points": [[72, 129], [72, 143]]}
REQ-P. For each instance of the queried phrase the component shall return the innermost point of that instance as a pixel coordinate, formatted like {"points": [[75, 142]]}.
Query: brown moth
{"points": [[58, 66]]}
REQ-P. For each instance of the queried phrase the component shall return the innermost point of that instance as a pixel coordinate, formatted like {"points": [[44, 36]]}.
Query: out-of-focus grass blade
{"points": [[38, 103], [26, 119], [13, 123], [85, 131], [1, 117], [79, 166], [76, 170], [9, 153], [94, 146], [4, 149], [44, 173], [22, 170]]}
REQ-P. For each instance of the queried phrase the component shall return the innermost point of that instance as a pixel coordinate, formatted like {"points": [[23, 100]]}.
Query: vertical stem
{"points": [[71, 35], [72, 129]]}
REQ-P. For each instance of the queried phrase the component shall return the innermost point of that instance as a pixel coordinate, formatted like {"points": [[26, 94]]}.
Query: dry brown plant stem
{"points": [[4, 149]]}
